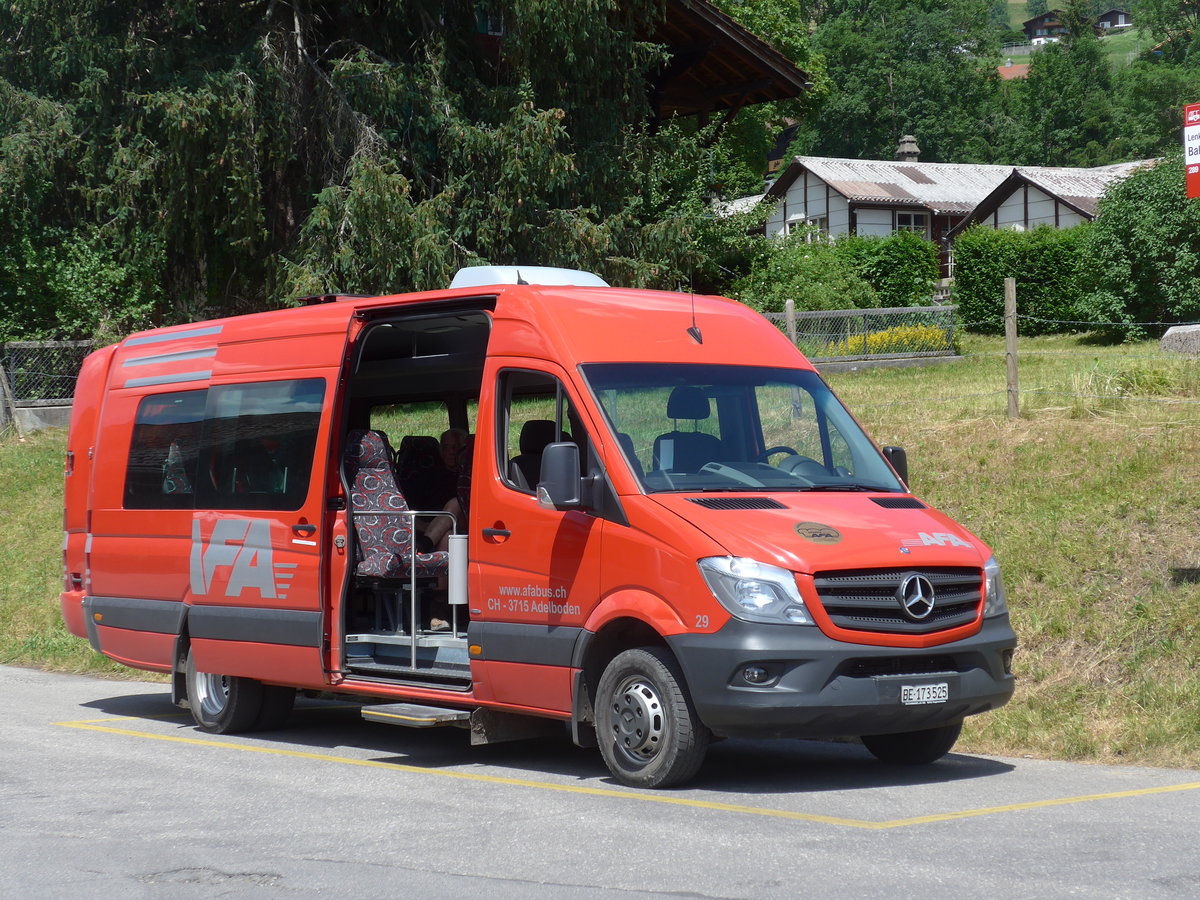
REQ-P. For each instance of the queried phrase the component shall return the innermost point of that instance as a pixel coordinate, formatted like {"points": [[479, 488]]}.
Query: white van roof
{"points": [[479, 276]]}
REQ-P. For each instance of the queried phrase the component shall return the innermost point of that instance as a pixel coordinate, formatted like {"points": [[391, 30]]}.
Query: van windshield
{"points": [[701, 428]]}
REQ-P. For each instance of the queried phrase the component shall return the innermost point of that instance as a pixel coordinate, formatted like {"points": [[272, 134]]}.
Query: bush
{"points": [[900, 339], [811, 274], [848, 273], [1049, 264], [902, 267], [1145, 251]]}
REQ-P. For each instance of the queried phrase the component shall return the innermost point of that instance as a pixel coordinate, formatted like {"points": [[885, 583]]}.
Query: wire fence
{"points": [[42, 373], [847, 335]]}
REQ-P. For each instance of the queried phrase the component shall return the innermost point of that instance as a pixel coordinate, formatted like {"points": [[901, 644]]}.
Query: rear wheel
{"points": [[226, 704], [913, 748], [648, 732]]}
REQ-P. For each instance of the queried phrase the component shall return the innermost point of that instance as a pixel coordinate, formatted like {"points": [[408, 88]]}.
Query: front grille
{"points": [[737, 502], [865, 599]]}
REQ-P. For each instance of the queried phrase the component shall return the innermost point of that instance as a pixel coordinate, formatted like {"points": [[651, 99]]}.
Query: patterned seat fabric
{"points": [[175, 472], [384, 537]]}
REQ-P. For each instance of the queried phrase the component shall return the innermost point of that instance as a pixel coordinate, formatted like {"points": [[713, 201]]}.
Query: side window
{"points": [[535, 412], [161, 472], [259, 443]]}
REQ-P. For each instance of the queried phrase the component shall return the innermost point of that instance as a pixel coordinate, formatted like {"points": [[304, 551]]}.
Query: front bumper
{"points": [[818, 687]]}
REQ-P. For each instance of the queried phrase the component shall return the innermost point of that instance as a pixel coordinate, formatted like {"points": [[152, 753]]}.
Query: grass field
{"points": [[1090, 500]]}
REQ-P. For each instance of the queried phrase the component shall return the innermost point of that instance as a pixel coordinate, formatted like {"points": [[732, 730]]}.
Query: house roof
{"points": [[1080, 189], [716, 64], [953, 188], [1052, 15], [1013, 70]]}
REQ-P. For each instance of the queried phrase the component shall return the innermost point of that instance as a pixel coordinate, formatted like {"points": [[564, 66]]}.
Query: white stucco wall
{"points": [[874, 222], [822, 202], [1011, 213]]}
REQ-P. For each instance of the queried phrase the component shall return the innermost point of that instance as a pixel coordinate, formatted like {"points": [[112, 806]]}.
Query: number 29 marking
{"points": [[701, 621]]}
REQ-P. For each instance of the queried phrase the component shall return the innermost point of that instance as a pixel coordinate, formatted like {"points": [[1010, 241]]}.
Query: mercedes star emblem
{"points": [[915, 596]]}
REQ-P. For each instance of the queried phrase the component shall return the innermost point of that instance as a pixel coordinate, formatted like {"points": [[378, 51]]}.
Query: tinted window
{"points": [[162, 456], [259, 441]]}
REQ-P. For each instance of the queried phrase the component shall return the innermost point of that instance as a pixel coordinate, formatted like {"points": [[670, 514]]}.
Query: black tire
{"points": [[648, 731], [913, 748], [223, 704]]}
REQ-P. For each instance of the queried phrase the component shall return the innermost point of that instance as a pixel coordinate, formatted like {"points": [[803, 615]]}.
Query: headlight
{"points": [[997, 602], [754, 591]]}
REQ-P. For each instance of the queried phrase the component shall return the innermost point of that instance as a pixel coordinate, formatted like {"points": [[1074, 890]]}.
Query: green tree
{"points": [[1144, 249], [1148, 106], [1062, 115], [900, 67], [1175, 24], [221, 156]]}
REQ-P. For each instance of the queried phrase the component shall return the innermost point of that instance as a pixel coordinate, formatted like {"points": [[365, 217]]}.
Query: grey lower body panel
{"points": [[817, 687]]}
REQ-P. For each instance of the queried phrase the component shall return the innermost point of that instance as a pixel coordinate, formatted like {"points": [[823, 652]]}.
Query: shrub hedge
{"points": [[1049, 264], [848, 273], [901, 267]]}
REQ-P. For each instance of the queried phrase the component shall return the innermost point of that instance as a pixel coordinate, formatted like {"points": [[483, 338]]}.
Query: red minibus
{"points": [[530, 500]]}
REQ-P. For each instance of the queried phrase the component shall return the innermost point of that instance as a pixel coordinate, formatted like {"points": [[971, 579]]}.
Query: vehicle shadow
{"points": [[735, 766]]}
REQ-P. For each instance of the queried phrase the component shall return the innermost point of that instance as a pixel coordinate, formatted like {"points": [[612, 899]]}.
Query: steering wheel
{"points": [[771, 451]]}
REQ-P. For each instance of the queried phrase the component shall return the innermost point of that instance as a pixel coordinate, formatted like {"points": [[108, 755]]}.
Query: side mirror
{"points": [[560, 486], [899, 461]]}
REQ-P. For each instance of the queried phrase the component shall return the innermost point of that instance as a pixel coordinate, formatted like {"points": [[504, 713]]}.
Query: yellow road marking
{"points": [[672, 800]]}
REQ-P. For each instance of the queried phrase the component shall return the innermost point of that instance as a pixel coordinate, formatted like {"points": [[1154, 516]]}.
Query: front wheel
{"points": [[226, 704], [913, 748], [648, 732]]}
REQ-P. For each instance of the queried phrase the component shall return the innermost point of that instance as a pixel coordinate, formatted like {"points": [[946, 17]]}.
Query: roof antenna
{"points": [[520, 280], [694, 329]]}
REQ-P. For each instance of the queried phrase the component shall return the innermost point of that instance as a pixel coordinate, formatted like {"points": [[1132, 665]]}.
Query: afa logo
{"points": [[239, 553], [936, 539]]}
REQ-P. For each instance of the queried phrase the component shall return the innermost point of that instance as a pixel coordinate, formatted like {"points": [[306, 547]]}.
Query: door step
{"points": [[487, 726], [415, 715]]}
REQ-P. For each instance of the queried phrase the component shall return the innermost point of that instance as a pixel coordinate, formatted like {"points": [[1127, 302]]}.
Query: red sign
{"points": [[1191, 148]]}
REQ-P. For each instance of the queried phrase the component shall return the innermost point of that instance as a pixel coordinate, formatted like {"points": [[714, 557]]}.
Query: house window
{"points": [[916, 222], [814, 228]]}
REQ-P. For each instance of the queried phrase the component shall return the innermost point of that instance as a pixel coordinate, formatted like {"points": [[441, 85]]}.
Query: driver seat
{"points": [[687, 451]]}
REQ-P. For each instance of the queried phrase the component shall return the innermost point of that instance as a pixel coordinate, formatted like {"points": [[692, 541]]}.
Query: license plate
{"points": [[917, 694]]}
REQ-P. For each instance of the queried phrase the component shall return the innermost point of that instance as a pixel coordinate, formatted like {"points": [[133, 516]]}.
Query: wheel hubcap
{"points": [[638, 720], [211, 693]]}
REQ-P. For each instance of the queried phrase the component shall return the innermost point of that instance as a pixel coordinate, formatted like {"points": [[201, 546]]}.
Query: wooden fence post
{"points": [[8, 405], [789, 311], [1010, 346]]}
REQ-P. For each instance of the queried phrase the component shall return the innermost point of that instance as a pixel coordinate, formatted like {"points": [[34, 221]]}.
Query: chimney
{"points": [[908, 151]]}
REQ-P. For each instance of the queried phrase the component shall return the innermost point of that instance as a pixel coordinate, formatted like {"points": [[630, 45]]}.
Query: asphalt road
{"points": [[106, 790]]}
